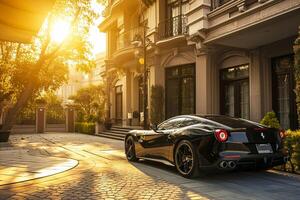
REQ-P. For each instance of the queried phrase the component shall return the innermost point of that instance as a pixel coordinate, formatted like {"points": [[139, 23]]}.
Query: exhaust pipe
{"points": [[231, 164], [223, 164]]}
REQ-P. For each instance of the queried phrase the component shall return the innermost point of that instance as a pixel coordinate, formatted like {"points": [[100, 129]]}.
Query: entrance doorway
{"points": [[284, 99], [119, 102], [234, 95], [180, 90]]}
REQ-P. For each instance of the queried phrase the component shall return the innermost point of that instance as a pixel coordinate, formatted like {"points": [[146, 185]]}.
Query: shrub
{"points": [[270, 120], [297, 73], [85, 127], [292, 144]]}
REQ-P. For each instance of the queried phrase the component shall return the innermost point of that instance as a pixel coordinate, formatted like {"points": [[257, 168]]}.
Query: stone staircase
{"points": [[116, 132]]}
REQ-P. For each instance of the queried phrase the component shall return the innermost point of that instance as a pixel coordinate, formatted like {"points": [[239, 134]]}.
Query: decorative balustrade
{"points": [[174, 26]]}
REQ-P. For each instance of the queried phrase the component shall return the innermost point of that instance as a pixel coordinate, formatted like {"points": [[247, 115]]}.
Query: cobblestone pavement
{"points": [[104, 173]]}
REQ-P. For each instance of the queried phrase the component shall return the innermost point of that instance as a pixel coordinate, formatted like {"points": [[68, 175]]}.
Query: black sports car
{"points": [[192, 142]]}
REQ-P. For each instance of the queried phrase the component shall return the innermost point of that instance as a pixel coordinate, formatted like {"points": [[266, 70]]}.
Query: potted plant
{"points": [[4, 135], [135, 118]]}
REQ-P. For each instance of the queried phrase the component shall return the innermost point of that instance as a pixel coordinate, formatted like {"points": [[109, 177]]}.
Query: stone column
{"points": [[70, 118], [205, 84], [255, 86], [40, 121]]}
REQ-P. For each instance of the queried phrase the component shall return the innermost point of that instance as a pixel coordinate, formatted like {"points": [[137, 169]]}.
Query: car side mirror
{"points": [[154, 127]]}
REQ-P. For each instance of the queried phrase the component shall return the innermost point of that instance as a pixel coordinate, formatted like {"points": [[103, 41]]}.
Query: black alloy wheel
{"points": [[130, 149], [186, 159]]}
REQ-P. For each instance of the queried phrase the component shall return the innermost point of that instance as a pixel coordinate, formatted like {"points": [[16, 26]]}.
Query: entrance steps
{"points": [[116, 132]]}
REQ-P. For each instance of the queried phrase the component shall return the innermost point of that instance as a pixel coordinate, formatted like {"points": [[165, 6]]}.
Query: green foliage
{"points": [[28, 69], [91, 103], [297, 73], [292, 144], [27, 114], [157, 102], [270, 120], [55, 111], [85, 127]]}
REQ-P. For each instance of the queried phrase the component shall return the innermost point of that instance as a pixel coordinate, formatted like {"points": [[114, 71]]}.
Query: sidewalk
{"points": [[20, 164]]}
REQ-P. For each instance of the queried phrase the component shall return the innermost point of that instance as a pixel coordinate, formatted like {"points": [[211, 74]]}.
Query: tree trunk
{"points": [[13, 112]]}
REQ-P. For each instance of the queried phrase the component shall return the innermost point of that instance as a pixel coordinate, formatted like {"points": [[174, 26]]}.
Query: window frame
{"points": [[236, 82]]}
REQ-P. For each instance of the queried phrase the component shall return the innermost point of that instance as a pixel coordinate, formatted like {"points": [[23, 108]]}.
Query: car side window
{"points": [[164, 126], [171, 124], [189, 122]]}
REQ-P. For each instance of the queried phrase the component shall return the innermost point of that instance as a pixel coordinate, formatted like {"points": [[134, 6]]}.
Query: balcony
{"points": [[124, 49], [173, 27], [248, 24], [125, 39]]}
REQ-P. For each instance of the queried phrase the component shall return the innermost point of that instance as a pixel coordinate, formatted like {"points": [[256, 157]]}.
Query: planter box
{"points": [[4, 135]]}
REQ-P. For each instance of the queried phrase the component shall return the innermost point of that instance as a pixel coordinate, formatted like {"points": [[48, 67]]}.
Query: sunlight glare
{"points": [[96, 38], [60, 30]]}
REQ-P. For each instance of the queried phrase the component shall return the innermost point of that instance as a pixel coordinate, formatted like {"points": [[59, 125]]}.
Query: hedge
{"points": [[85, 127], [292, 145]]}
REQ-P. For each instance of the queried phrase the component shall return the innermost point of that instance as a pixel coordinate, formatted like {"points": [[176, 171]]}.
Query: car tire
{"points": [[130, 149], [186, 159]]}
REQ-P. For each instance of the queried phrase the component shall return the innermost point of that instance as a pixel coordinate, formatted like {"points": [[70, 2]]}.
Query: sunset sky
{"points": [[61, 30]]}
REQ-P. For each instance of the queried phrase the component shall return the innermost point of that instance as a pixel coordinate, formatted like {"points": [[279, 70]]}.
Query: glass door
{"points": [[284, 100], [180, 90], [234, 96]]}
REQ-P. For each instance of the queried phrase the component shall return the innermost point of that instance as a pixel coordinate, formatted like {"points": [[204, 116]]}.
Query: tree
{"points": [[27, 69], [91, 101], [297, 73]]}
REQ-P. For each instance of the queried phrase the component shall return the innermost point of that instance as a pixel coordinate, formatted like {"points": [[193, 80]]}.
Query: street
{"points": [[102, 172]]}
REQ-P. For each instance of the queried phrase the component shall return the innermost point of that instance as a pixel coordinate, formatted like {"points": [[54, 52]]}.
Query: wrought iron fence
{"points": [[217, 3], [173, 27]]}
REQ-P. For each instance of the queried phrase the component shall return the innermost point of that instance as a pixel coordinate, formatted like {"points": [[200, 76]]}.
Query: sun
{"points": [[59, 31]]}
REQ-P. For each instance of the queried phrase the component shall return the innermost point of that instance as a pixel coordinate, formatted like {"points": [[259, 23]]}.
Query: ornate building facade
{"points": [[232, 57]]}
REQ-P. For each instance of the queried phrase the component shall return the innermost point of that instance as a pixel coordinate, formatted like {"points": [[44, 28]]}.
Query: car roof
{"points": [[228, 121]]}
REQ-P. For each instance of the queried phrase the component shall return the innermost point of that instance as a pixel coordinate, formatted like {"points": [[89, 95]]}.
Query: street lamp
{"points": [[144, 42]]}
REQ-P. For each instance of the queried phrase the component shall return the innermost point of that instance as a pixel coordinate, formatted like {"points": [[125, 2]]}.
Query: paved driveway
{"points": [[104, 173]]}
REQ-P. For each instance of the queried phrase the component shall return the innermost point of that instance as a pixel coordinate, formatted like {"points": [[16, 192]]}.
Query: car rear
{"points": [[247, 144]]}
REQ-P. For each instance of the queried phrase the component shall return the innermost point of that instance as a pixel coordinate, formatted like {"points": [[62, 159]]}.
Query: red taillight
{"points": [[282, 134], [221, 135]]}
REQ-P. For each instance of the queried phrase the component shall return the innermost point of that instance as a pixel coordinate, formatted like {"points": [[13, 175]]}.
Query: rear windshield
{"points": [[234, 122]]}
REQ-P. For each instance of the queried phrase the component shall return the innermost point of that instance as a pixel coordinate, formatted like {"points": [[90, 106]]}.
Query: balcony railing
{"points": [[125, 39], [217, 3], [174, 26]]}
